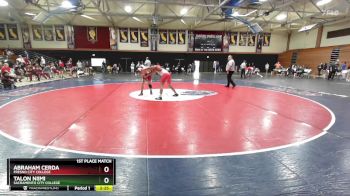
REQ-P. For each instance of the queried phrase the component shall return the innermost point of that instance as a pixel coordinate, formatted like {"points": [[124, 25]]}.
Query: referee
{"points": [[230, 67]]}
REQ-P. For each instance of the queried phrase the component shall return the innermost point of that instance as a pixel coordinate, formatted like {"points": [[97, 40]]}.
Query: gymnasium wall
{"points": [[161, 57], [338, 40], [301, 40]]}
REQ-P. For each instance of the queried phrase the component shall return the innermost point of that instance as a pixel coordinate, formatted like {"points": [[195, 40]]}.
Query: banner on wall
{"points": [[190, 41], [48, 33], [26, 36], [154, 39], [2, 32], [70, 37], [251, 39], [226, 42], [144, 37], [134, 35], [113, 40], [259, 43], [172, 37], [12, 31], [123, 35], [92, 34], [267, 39], [181, 35], [60, 34], [242, 39], [234, 38], [163, 36], [37, 32]]}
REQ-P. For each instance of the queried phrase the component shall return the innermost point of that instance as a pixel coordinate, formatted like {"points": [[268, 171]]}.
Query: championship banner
{"points": [[181, 35], [242, 39], [123, 35], [226, 42], [12, 31], [172, 37], [60, 34], [144, 37], [134, 35], [234, 38], [190, 41], [37, 32], [26, 36], [163, 37], [70, 37], [251, 39], [2, 32], [113, 41], [92, 34], [267, 39], [259, 43], [48, 33]]}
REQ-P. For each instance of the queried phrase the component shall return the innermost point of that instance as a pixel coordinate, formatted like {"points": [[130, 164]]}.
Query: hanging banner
{"points": [[190, 41], [251, 39], [70, 37], [163, 36], [226, 42], [154, 39], [59, 32], [37, 32], [92, 34], [113, 40], [12, 31], [242, 39], [48, 33], [2, 32], [123, 35], [144, 37], [234, 38], [181, 35], [26, 36], [267, 39], [259, 43], [172, 37], [134, 35]]}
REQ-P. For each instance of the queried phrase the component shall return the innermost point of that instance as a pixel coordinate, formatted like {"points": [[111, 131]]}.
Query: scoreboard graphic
{"points": [[81, 174]]}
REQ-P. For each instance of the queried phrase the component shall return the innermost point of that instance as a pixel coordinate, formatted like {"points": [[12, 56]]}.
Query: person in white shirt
{"points": [[214, 66], [230, 68], [132, 67], [42, 61], [243, 66], [267, 66], [147, 62]]}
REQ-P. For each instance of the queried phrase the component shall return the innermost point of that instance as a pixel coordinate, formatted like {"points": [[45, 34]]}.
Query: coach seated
{"points": [[7, 79]]}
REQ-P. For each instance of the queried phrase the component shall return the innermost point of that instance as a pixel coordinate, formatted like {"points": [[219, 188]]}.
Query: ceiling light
{"points": [[137, 19], [182, 20], [3, 3], [281, 16], [88, 17], [237, 14], [67, 4], [128, 8], [323, 2], [30, 14], [183, 11], [262, 0]]}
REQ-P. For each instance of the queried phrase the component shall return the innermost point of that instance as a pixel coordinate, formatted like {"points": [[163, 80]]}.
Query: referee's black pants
{"points": [[229, 79]]}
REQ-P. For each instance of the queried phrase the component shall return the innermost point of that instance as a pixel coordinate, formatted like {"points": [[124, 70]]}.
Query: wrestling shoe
{"points": [[159, 98], [175, 95]]}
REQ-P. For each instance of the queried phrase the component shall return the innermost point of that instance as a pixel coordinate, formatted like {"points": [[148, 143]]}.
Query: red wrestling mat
{"points": [[106, 119]]}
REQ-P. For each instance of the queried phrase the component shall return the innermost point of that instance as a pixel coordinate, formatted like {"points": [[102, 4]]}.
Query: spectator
{"points": [[243, 66], [147, 62]]}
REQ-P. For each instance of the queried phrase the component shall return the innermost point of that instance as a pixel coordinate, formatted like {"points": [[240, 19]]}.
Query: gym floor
{"points": [[268, 136]]}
